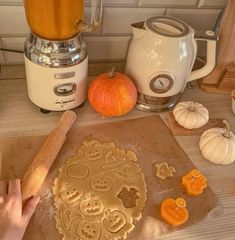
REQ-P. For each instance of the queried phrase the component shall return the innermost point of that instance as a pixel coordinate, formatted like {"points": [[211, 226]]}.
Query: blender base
{"points": [[45, 111], [156, 104]]}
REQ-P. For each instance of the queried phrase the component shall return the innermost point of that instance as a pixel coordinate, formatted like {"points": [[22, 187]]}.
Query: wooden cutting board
{"points": [[153, 143]]}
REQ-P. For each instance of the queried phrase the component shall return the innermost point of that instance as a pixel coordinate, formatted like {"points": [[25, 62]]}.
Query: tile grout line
{"points": [[197, 4], [2, 52], [138, 3]]}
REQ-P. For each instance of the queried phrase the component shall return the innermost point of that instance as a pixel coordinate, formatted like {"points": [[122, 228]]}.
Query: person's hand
{"points": [[14, 218]]}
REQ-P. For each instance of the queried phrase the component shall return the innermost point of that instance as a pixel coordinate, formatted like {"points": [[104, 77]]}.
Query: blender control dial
{"points": [[161, 83], [65, 89]]}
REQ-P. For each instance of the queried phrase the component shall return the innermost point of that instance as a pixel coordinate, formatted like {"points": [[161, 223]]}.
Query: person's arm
{"points": [[14, 218]]}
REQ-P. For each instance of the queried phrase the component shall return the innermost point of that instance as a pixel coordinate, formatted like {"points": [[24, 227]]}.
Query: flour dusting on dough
{"points": [[99, 193]]}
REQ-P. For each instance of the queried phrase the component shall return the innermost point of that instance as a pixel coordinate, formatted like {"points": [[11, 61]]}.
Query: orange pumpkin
{"points": [[194, 182], [174, 211], [112, 94]]}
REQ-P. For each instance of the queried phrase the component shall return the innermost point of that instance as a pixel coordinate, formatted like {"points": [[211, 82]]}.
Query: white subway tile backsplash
{"points": [[87, 2], [167, 3], [13, 20], [116, 2], [16, 21], [110, 40], [118, 20], [104, 48], [212, 3], [10, 2], [13, 43], [200, 19]]}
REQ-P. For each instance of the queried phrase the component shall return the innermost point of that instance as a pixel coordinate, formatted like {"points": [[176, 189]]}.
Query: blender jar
{"points": [[60, 19]]}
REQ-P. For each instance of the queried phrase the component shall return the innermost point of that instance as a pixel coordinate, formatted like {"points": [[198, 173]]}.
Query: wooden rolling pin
{"points": [[40, 166]]}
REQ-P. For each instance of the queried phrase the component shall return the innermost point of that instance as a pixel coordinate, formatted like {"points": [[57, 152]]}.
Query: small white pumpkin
{"points": [[191, 115], [218, 145]]}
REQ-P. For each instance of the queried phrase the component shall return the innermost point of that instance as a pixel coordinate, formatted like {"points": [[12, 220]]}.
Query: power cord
{"points": [[9, 50]]}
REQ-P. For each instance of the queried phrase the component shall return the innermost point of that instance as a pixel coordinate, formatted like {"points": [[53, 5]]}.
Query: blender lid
{"points": [[167, 26]]}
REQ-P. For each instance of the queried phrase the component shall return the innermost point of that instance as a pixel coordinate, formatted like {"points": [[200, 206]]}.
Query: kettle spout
{"points": [[138, 29]]}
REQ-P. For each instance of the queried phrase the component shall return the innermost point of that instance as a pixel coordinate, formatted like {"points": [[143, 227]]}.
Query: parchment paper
{"points": [[153, 143]]}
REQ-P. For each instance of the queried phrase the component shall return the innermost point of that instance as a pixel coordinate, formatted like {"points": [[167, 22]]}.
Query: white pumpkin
{"points": [[218, 145], [191, 115]]}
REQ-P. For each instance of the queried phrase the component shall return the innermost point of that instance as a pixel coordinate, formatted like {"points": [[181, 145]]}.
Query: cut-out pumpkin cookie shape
{"points": [[116, 225], [88, 230], [78, 171], [174, 211], [94, 150], [91, 206], [70, 193], [194, 182], [114, 221], [101, 183]]}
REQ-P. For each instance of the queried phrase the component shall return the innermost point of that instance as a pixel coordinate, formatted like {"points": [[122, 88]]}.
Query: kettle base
{"points": [[156, 104]]}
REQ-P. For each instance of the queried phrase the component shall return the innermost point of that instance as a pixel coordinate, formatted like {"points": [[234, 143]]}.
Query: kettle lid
{"points": [[167, 26]]}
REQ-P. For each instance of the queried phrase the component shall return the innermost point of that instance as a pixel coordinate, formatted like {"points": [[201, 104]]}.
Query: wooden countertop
{"points": [[19, 117]]}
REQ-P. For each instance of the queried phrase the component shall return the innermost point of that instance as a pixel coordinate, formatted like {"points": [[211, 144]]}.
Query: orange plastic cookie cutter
{"points": [[174, 211], [194, 182]]}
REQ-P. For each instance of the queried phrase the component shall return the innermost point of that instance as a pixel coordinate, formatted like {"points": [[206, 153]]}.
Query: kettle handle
{"points": [[211, 39]]}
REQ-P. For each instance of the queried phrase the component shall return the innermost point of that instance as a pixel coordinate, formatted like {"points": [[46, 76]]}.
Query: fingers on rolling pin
{"points": [[3, 188], [14, 187]]}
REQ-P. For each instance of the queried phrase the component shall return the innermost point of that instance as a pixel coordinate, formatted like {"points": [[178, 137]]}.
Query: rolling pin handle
{"points": [[66, 121], [42, 162]]}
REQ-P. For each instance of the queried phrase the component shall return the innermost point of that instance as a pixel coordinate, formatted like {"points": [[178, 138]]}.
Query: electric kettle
{"points": [[160, 59]]}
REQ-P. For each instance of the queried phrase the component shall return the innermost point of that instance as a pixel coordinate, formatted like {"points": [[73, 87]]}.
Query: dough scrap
{"points": [[100, 193]]}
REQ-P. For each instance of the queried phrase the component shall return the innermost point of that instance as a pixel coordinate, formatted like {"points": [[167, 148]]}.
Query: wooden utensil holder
{"points": [[222, 78]]}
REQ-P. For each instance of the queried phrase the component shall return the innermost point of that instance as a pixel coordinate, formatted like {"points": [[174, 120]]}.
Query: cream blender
{"points": [[56, 59]]}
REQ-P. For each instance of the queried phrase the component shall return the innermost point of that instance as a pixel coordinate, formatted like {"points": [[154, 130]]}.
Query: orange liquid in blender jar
{"points": [[54, 19]]}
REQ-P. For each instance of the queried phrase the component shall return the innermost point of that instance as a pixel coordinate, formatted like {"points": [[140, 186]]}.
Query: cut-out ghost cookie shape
{"points": [[128, 197]]}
